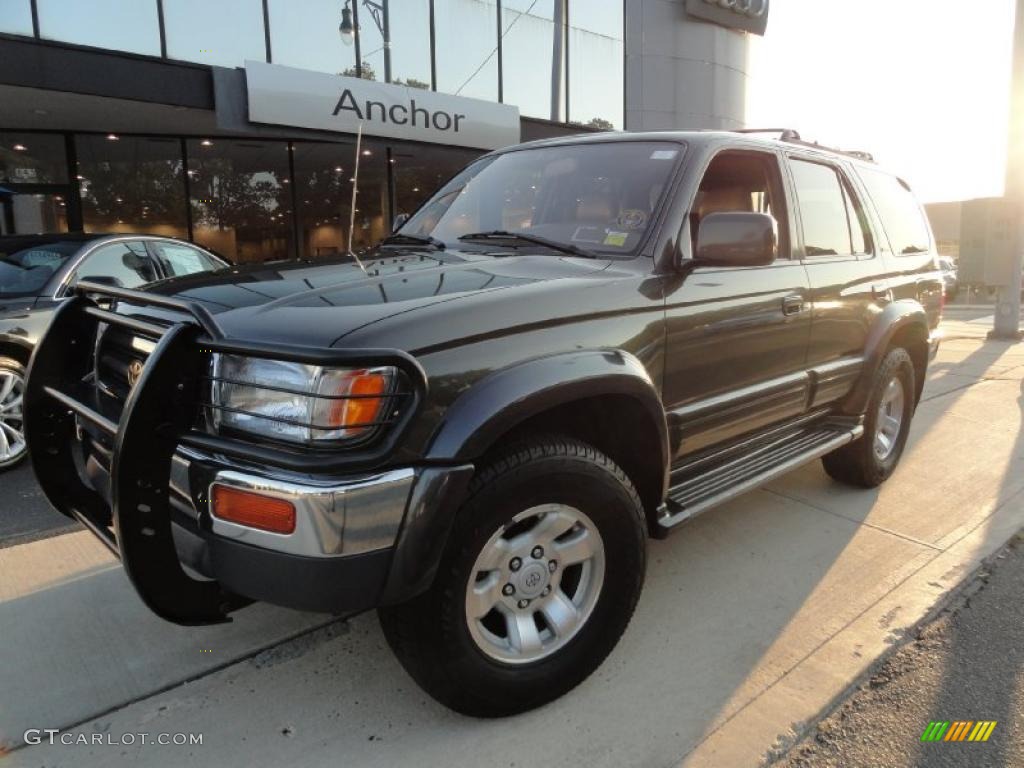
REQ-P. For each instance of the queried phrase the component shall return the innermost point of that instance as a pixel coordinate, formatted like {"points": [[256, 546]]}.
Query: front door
{"points": [[736, 336]]}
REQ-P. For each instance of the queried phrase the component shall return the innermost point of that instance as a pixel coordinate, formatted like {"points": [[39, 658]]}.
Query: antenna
{"points": [[355, 192]]}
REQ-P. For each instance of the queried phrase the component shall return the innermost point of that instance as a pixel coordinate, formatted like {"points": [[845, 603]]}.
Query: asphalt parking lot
{"points": [[27, 515], [755, 620]]}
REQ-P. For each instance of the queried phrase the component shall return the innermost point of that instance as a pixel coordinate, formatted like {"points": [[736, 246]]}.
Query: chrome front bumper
{"points": [[332, 519]]}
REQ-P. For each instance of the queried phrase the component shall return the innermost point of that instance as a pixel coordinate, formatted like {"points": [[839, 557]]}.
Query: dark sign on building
{"points": [[744, 15]]}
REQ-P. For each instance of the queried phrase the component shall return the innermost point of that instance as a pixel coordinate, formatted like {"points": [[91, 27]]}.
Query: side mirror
{"points": [[737, 239], [400, 219]]}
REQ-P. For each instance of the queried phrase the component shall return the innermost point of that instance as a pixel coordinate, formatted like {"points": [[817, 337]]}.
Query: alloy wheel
{"points": [[889, 421], [12, 425], [535, 584]]}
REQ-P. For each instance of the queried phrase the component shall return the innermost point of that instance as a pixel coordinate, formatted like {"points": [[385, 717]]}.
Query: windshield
{"points": [[598, 197], [25, 269]]}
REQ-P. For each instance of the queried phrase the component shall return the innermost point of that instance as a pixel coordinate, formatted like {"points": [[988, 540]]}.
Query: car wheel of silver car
{"points": [[869, 460], [12, 425], [538, 581]]}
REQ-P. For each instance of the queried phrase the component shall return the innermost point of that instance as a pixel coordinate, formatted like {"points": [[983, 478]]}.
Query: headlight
{"points": [[297, 402]]}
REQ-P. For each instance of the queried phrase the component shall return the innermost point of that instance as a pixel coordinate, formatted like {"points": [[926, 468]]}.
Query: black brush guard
{"points": [[62, 399]]}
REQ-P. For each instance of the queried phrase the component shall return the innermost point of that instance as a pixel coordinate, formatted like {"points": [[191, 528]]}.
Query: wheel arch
{"points": [[605, 398], [901, 324], [16, 350]]}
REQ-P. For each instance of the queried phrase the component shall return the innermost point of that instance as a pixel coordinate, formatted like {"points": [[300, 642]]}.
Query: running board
{"points": [[734, 478]]}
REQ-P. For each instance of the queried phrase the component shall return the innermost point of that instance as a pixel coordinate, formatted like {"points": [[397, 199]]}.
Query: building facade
{"points": [[235, 123]]}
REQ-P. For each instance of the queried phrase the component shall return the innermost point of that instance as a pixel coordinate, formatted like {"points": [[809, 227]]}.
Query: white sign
{"points": [[296, 97]]}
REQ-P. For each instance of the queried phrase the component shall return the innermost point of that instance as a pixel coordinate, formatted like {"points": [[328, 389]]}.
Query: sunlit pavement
{"points": [[754, 619]]}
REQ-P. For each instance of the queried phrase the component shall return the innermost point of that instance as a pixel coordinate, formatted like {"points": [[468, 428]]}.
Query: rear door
{"points": [[845, 268], [736, 336], [911, 254]]}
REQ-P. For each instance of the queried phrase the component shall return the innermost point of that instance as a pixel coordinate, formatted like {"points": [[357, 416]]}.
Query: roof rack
{"points": [[791, 136]]}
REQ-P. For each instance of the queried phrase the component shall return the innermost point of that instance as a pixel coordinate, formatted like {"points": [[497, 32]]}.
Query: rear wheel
{"points": [[537, 583], [870, 460], [13, 449]]}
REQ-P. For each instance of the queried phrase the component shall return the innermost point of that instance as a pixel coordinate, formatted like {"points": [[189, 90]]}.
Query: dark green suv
{"points": [[574, 345]]}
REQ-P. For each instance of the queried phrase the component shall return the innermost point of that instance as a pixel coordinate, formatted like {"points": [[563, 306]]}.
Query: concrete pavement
{"points": [[755, 618], [964, 666]]}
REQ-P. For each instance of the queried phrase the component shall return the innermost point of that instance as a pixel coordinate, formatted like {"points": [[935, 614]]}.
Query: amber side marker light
{"points": [[253, 510]]}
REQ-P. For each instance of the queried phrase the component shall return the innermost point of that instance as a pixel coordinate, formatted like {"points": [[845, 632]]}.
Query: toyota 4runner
{"points": [[574, 345]]}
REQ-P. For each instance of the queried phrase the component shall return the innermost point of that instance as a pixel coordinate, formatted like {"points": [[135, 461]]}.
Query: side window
{"points": [[740, 181], [178, 259], [833, 223], [127, 264], [902, 217]]}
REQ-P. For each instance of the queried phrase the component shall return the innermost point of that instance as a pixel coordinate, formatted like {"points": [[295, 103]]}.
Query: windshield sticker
{"points": [[663, 154], [632, 218], [587, 235], [617, 239]]}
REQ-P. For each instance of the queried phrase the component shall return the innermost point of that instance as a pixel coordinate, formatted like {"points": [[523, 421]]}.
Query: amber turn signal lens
{"points": [[253, 510], [361, 408]]}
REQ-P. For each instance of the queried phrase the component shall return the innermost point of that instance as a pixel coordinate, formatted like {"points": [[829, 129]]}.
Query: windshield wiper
{"points": [[500, 234], [403, 237]]}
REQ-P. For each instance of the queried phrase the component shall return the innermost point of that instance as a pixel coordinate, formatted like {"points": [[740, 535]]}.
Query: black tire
{"points": [[430, 634], [857, 463], [10, 367]]}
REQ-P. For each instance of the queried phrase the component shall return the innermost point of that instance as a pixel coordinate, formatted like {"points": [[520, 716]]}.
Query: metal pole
{"points": [[386, 34], [1007, 319], [557, 57]]}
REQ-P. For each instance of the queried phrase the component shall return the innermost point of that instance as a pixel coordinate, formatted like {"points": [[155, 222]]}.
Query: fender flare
{"points": [[506, 398], [16, 342], [893, 319]]}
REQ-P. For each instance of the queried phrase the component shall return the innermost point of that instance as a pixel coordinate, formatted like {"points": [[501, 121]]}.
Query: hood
{"points": [[13, 306], [318, 303]]}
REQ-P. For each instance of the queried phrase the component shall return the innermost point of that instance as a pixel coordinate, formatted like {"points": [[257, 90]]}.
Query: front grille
{"points": [[120, 353]]}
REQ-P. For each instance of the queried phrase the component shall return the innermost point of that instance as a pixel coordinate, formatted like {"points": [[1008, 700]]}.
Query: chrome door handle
{"points": [[793, 305]]}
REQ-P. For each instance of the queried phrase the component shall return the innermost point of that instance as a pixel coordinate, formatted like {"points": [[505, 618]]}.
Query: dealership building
{"points": [[234, 123]]}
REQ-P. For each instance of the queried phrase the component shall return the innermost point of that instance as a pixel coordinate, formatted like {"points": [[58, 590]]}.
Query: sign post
{"points": [[1007, 318]]}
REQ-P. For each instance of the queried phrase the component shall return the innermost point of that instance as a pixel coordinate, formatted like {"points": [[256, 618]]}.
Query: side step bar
{"points": [[717, 485]]}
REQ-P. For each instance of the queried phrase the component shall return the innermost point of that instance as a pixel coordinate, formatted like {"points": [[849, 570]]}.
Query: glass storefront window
{"points": [[121, 25], [241, 203], [32, 214], [16, 17], [323, 178], [526, 52], [421, 172], [132, 185], [310, 39], [466, 47], [410, 43], [596, 65], [33, 158], [225, 33]]}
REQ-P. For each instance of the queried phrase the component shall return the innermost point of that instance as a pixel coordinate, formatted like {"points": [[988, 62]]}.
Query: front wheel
{"points": [[870, 460], [537, 583], [13, 449]]}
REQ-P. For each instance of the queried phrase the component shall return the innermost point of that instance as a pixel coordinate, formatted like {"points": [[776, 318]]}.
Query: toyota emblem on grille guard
{"points": [[134, 372]]}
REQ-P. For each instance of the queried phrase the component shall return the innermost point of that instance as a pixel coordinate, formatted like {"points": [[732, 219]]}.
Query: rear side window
{"points": [[832, 223], [901, 215]]}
